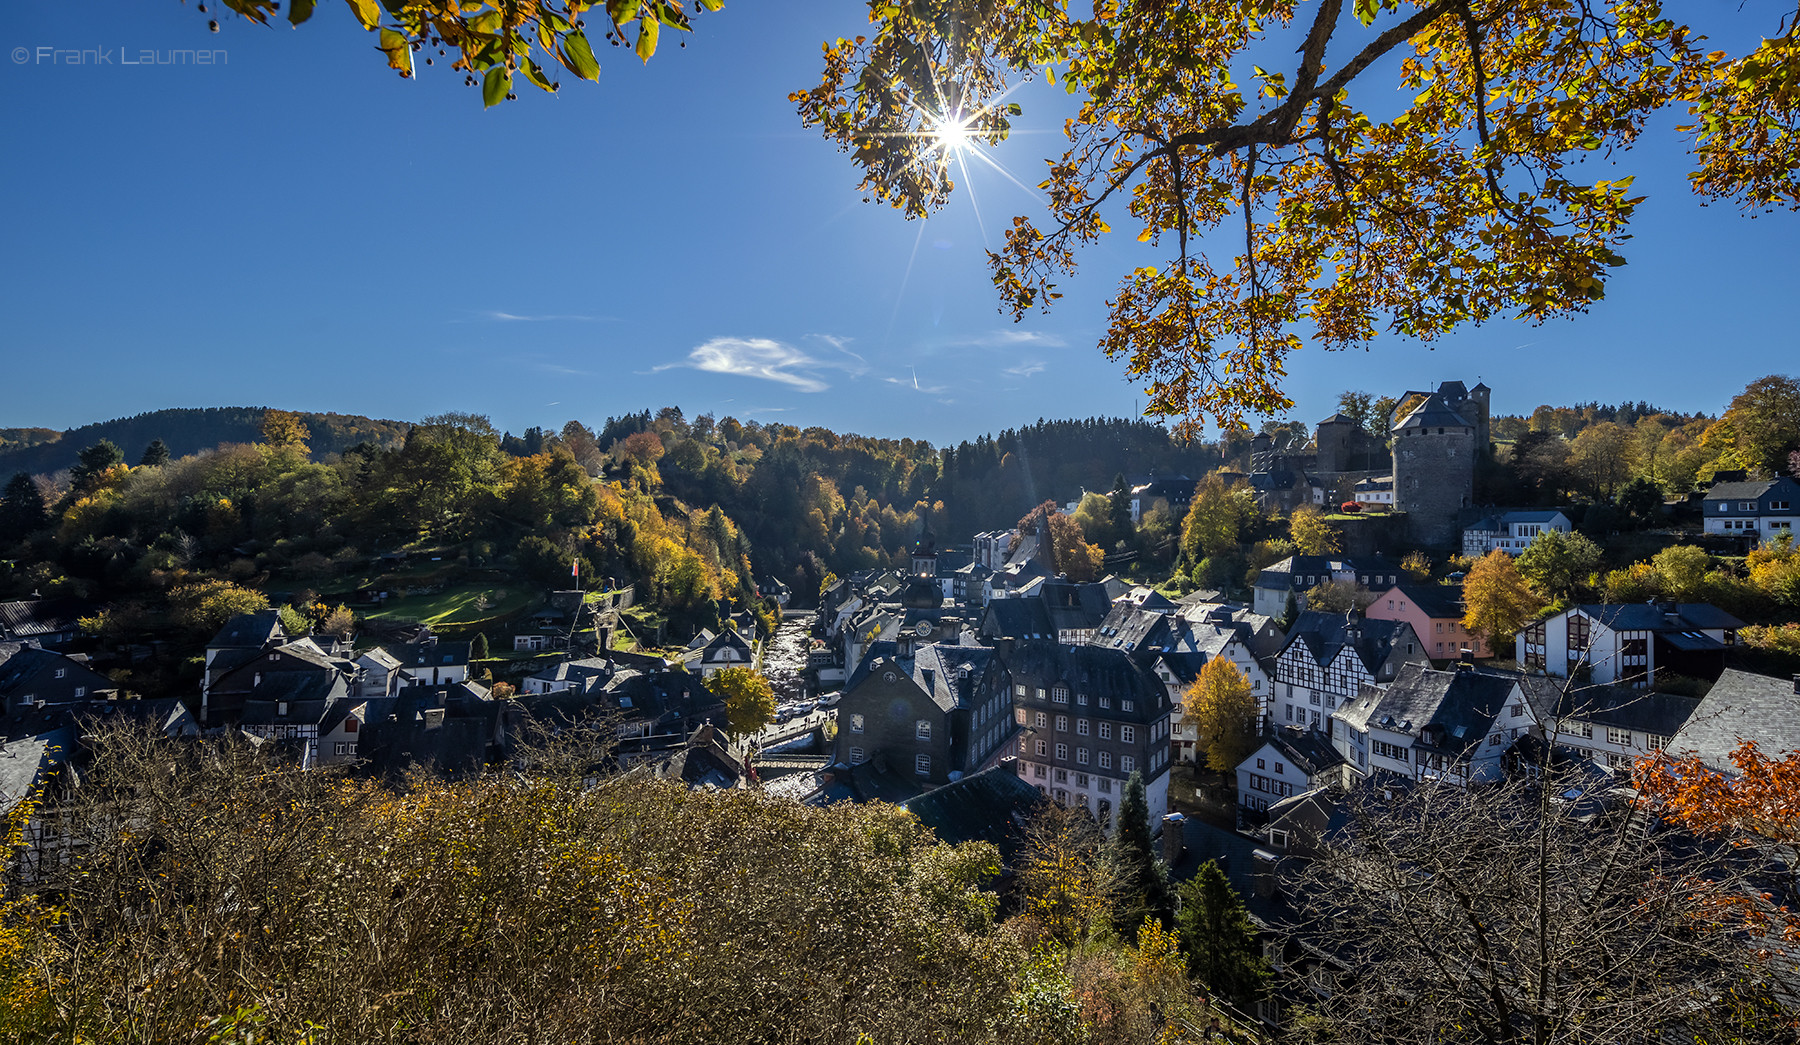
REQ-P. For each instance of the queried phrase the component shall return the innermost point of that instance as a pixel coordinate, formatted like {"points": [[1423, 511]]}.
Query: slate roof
{"points": [[1741, 706], [1073, 605], [1434, 412], [1281, 576], [1660, 713], [306, 694], [943, 662], [249, 631], [1096, 670], [1646, 616], [1236, 856], [431, 653], [1017, 619], [1437, 601], [1324, 636], [1462, 704], [24, 762], [34, 618], [1310, 750], [1746, 491], [983, 807]]}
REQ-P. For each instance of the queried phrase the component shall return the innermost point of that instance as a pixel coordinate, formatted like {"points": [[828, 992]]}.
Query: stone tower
{"points": [[1434, 467], [1333, 441]]}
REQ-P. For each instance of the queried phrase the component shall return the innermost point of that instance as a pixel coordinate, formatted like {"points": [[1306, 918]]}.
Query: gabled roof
{"points": [[1741, 706], [984, 807], [1325, 635], [24, 762], [1462, 704], [1620, 706], [431, 653], [1436, 601], [32, 618], [249, 631], [1746, 491], [1310, 750], [1017, 619], [1096, 670]]}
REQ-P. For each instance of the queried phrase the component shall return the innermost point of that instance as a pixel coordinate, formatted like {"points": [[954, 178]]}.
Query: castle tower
{"points": [[1334, 443], [1434, 469], [1478, 397]]}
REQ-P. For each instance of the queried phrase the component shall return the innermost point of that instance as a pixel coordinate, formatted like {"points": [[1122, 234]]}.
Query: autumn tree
{"points": [[203, 607], [1311, 534], [1557, 564], [1068, 883], [1303, 198], [1602, 457], [1416, 566], [749, 699], [1223, 708], [93, 463], [1215, 518], [1764, 420], [1497, 602], [1219, 939], [1073, 554], [1339, 597], [284, 428]]}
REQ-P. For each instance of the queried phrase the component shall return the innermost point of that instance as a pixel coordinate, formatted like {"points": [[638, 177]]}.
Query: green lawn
{"points": [[454, 605]]}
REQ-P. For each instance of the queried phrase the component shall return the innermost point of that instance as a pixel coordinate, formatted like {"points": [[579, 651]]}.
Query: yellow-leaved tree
{"points": [[749, 700], [1496, 600], [1223, 708]]}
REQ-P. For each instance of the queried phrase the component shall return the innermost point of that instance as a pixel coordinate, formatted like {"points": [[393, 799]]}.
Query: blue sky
{"points": [[301, 228]]}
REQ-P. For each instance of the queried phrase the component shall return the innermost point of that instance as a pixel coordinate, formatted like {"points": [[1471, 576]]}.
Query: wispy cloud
{"points": [[1012, 338], [913, 383], [756, 357], [842, 344], [513, 317], [1026, 368], [565, 371]]}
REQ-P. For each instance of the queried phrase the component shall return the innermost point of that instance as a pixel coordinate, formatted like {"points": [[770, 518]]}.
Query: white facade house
{"points": [[1289, 762], [1511, 532], [1452, 725], [1767, 508], [1615, 726], [1630, 642], [1378, 492]]}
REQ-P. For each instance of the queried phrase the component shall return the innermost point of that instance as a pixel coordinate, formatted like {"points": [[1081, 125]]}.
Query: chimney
{"points": [[1263, 864], [1467, 663], [1797, 685], [1174, 827]]}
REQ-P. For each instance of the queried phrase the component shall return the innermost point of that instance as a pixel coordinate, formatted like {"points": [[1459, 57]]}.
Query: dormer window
{"points": [[922, 729], [281, 708], [60, 672], [274, 656]]}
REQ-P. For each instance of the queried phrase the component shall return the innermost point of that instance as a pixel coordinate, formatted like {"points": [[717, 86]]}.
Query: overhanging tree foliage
{"points": [[1333, 202]]}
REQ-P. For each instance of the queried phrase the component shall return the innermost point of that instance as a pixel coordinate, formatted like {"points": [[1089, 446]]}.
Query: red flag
{"points": [[575, 568]]}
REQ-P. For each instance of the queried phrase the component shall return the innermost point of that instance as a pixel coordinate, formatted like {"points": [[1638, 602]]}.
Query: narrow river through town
{"points": [[784, 659]]}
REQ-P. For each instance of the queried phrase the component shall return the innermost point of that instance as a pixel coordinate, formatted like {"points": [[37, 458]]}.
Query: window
{"points": [[1746, 506], [922, 729], [1081, 780], [1106, 702], [1278, 767], [1621, 737], [1062, 752], [341, 749], [1041, 695], [1040, 719], [1578, 633], [1062, 776], [1655, 742], [1259, 763], [1278, 838], [1127, 735], [1105, 787], [1062, 723], [1584, 730], [1081, 699], [1062, 797], [1778, 506], [856, 723], [1060, 694], [1126, 705], [1018, 691], [1041, 747], [60, 672], [80, 691], [1081, 756], [1106, 760], [1040, 772], [1081, 727], [1127, 763], [1494, 741], [1516, 710], [1106, 731]]}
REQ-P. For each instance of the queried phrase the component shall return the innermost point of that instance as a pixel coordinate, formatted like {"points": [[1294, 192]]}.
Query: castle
{"points": [[1429, 458]]}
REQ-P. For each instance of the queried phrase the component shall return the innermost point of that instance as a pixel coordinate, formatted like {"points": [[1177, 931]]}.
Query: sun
{"points": [[952, 135]]}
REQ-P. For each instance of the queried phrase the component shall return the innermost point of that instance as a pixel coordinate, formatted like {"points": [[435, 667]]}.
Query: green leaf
{"points": [[368, 12], [579, 57], [622, 11], [536, 74], [1366, 10], [398, 50], [648, 31], [495, 86], [712, 5], [300, 10]]}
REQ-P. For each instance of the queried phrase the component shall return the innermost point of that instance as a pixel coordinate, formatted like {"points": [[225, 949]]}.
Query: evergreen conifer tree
{"points": [[1143, 878], [21, 508], [478, 649], [1219, 939], [157, 453], [94, 462]]}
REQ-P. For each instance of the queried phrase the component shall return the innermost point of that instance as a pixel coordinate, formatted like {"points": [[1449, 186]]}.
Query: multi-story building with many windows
{"points": [[1329, 657], [927, 713], [1092, 716]]}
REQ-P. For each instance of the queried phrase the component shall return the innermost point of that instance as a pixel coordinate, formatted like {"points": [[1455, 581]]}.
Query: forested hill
{"points": [[184, 431]]}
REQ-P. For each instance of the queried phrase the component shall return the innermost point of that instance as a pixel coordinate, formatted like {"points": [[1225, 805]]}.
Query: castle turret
{"points": [[1334, 437]]}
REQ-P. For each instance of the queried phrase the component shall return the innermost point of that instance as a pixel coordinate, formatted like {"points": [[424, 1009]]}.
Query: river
{"points": [[784, 658]]}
